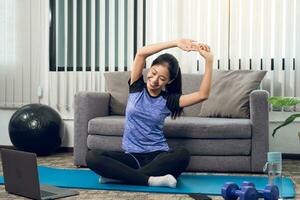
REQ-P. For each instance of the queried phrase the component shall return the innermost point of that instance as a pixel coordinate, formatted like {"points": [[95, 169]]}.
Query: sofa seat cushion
{"points": [[206, 147], [108, 125], [184, 127], [207, 128]]}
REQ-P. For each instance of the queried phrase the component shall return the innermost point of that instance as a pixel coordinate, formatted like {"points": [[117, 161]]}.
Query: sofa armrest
{"points": [[87, 105], [259, 116]]}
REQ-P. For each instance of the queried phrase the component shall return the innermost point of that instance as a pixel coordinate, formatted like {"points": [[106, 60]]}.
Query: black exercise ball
{"points": [[36, 128]]}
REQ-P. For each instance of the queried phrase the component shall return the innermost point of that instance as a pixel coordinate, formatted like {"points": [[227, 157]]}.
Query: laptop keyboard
{"points": [[46, 194]]}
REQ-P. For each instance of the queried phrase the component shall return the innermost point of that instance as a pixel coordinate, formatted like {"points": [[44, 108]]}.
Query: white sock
{"points": [[166, 180]]}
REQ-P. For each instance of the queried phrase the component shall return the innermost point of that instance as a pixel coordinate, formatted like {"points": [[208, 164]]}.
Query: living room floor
{"points": [[65, 160]]}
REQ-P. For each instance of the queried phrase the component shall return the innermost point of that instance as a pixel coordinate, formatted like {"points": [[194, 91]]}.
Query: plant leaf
{"points": [[289, 120], [283, 101]]}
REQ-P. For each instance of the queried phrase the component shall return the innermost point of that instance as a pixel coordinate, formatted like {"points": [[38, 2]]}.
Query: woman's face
{"points": [[157, 77]]}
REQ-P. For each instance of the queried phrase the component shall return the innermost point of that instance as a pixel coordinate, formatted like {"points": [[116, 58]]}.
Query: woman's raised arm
{"points": [[204, 90]]}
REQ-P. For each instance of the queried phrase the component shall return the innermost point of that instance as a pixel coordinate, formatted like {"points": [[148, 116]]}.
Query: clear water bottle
{"points": [[274, 167]]}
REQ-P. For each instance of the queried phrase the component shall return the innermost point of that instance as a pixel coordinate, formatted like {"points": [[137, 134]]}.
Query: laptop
{"points": [[21, 177]]}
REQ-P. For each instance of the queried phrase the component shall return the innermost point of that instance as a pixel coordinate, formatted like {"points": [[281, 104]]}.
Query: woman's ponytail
{"points": [[175, 87]]}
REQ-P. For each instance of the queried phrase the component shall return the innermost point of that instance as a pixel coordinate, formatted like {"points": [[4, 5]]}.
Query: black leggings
{"points": [[136, 168]]}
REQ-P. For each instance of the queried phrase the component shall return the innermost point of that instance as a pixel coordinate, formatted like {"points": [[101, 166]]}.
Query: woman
{"points": [[147, 159]]}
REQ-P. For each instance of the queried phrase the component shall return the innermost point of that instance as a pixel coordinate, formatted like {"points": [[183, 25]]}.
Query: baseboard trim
{"points": [[7, 147], [293, 156], [59, 150], [68, 149]]}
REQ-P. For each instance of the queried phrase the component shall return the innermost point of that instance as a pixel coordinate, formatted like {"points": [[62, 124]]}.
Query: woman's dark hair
{"points": [[175, 87]]}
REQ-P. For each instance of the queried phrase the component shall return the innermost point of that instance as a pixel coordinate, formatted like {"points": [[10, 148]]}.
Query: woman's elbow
{"points": [[203, 96]]}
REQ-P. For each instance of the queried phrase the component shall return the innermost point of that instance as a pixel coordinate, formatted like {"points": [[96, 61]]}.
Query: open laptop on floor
{"points": [[21, 177]]}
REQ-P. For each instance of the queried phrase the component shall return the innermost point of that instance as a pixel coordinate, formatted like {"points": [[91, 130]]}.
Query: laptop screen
{"points": [[20, 173]]}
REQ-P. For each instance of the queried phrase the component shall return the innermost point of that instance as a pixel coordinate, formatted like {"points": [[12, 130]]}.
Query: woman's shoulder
{"points": [[136, 86]]}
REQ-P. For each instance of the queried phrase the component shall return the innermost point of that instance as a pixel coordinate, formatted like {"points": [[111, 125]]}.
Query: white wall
{"points": [[286, 140], [5, 115]]}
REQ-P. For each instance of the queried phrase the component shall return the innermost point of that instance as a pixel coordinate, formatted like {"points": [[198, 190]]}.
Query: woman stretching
{"points": [[147, 158]]}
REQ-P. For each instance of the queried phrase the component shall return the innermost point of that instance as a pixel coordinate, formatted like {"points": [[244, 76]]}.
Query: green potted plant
{"points": [[282, 102]]}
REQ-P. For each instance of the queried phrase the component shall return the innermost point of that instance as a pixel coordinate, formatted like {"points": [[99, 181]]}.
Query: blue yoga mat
{"points": [[187, 183]]}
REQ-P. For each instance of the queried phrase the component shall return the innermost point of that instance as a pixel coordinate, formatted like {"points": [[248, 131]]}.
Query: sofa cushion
{"points": [[116, 85], [183, 127], [207, 147], [214, 128], [230, 92], [108, 125]]}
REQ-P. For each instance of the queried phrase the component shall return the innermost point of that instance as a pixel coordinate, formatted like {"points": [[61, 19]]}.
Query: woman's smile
{"points": [[153, 85]]}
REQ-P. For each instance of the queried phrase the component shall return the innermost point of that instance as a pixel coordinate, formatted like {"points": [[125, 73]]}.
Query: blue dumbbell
{"points": [[271, 192], [231, 191], [248, 183]]}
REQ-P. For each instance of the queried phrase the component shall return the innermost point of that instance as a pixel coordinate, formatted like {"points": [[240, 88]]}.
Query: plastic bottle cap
{"points": [[274, 157]]}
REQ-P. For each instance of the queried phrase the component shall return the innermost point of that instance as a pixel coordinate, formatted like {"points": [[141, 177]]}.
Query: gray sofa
{"points": [[215, 144]]}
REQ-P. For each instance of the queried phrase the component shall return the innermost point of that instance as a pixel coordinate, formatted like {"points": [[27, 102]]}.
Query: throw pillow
{"points": [[230, 92]]}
